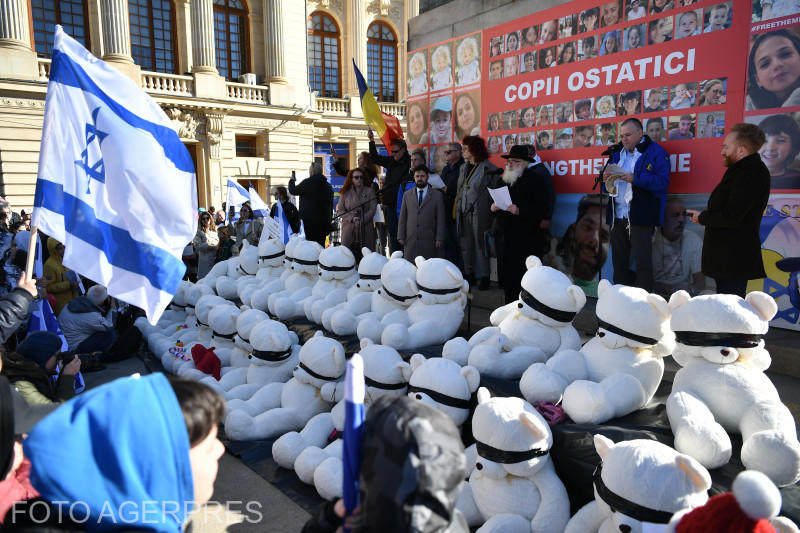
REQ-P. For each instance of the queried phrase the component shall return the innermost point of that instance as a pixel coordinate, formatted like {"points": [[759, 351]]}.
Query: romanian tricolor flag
{"points": [[387, 126]]}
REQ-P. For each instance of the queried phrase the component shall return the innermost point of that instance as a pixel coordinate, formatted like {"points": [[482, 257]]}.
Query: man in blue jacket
{"points": [[637, 204]]}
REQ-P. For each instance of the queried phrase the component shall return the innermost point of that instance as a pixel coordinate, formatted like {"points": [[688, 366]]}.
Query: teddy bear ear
{"points": [[603, 445], [602, 286], [473, 377], [365, 342], [365, 251], [404, 368], [416, 361], [535, 424], [319, 334], [763, 303], [659, 304], [678, 299], [578, 296], [483, 395], [397, 255], [532, 262], [419, 260], [453, 272], [695, 473]]}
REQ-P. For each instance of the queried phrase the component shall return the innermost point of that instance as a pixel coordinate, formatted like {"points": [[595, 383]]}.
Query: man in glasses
{"points": [[397, 166]]}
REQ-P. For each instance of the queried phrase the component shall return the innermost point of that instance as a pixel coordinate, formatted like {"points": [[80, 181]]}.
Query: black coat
{"points": [[396, 173], [316, 200], [732, 247], [450, 178], [519, 235], [14, 308]]}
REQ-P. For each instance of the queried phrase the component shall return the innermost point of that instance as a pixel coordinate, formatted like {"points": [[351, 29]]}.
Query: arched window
{"points": [[71, 14], [230, 37], [152, 25], [323, 55], [382, 62]]}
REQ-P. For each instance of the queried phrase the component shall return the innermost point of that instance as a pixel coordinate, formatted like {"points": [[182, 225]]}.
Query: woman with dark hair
{"points": [[358, 198], [205, 244], [659, 31], [773, 75], [247, 228], [365, 163], [494, 122], [471, 209], [547, 57], [467, 116], [417, 123], [281, 194], [780, 150], [567, 54], [610, 44], [529, 36]]}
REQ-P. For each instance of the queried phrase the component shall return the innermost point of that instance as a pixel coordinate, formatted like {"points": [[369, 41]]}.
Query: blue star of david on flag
{"points": [[96, 170]]}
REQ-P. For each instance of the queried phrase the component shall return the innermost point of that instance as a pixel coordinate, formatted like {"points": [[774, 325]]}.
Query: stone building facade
{"points": [[254, 87]]}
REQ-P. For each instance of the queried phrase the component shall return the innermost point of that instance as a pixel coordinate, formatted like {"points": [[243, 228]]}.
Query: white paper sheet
{"points": [[501, 197]]}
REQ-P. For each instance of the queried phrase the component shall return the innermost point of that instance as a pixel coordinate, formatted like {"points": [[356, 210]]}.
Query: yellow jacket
{"points": [[55, 272]]}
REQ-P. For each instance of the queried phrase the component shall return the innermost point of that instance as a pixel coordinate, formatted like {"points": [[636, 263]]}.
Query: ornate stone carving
{"points": [[380, 7], [333, 5], [215, 124], [185, 122], [22, 102]]}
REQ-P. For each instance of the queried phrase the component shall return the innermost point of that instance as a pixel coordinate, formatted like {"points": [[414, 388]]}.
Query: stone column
{"points": [[17, 58], [273, 41], [203, 52], [117, 38], [357, 38]]}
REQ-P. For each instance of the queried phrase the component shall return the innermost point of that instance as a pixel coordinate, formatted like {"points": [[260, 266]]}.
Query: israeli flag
{"points": [[283, 223], [237, 195], [353, 433], [116, 185], [260, 207]]}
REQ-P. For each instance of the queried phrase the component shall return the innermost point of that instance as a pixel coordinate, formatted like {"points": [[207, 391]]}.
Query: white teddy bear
{"points": [[527, 331], [397, 292], [260, 297], [343, 318], [639, 482], [271, 253], [444, 385], [513, 486], [305, 273], [289, 406], [619, 369], [210, 279], [437, 315], [722, 386], [385, 373], [273, 355], [337, 273], [172, 359], [222, 319], [753, 505]]}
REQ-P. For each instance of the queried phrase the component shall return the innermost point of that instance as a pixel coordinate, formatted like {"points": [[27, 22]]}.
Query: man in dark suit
{"points": [[450, 172], [731, 246], [422, 228], [396, 165], [316, 203]]}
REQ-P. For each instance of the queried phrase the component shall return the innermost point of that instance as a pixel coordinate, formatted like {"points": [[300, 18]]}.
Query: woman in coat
{"points": [[247, 228], [206, 242], [357, 228], [58, 284], [471, 210]]}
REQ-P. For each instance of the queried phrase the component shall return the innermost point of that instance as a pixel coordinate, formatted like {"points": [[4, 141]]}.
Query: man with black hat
{"points": [[520, 228]]}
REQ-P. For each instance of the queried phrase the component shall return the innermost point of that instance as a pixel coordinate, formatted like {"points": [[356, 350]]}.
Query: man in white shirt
{"points": [[677, 253]]}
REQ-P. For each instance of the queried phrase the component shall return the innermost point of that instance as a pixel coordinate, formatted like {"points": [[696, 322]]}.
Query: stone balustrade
{"points": [[248, 94], [168, 84]]}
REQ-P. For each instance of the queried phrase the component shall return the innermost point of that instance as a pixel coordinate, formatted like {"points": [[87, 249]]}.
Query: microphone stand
{"points": [[599, 180]]}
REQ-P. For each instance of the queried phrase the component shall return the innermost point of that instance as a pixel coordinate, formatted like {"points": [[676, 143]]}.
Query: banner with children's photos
{"points": [[565, 78]]}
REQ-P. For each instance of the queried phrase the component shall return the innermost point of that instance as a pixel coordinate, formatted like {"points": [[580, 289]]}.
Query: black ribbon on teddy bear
{"points": [[732, 340], [556, 314], [444, 399], [333, 268], [273, 256], [506, 457], [627, 507], [275, 356], [396, 296]]}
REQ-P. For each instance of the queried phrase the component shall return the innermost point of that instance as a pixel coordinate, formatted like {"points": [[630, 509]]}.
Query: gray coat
{"points": [[420, 226], [474, 199]]}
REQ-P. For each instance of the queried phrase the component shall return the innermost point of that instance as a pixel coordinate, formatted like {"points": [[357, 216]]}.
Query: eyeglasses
{"points": [[357, 176]]}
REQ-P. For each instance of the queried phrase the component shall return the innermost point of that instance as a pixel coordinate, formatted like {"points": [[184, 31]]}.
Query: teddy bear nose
{"points": [[358, 285], [625, 528], [725, 352], [419, 396], [479, 466], [519, 306], [601, 334]]}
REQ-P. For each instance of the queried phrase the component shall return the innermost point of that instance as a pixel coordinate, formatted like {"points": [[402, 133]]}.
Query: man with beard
{"points": [[731, 246], [583, 249], [422, 228], [520, 229], [676, 254], [637, 204]]}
